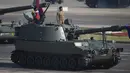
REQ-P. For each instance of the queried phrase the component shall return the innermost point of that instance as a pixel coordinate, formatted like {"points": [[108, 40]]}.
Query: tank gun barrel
{"points": [[8, 30], [104, 29], [20, 8]]}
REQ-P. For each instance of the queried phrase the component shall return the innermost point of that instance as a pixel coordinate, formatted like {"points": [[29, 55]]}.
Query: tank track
{"points": [[49, 61]]}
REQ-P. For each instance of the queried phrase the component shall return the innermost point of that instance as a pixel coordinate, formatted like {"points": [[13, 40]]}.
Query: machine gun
{"points": [[43, 14]]}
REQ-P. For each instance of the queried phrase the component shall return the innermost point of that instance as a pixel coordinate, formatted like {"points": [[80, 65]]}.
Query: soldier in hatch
{"points": [[60, 16], [37, 12], [36, 15]]}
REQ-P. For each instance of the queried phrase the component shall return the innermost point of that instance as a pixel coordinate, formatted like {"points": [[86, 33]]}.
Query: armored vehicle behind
{"points": [[107, 3], [7, 30]]}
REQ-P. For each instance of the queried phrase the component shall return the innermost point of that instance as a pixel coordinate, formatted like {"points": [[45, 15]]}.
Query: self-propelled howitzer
{"points": [[49, 45]]}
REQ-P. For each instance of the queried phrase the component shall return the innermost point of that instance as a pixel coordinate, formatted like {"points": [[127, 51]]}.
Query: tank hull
{"points": [[27, 55], [48, 47]]}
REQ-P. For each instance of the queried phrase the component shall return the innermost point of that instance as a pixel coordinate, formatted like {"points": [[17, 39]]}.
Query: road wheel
{"points": [[22, 60], [30, 61], [38, 60], [72, 63], [46, 61], [14, 57], [63, 63], [55, 62]]}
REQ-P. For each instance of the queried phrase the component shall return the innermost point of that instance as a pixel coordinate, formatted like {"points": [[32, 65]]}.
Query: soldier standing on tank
{"points": [[60, 16]]}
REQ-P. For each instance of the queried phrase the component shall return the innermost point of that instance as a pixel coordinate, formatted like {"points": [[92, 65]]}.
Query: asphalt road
{"points": [[6, 66]]}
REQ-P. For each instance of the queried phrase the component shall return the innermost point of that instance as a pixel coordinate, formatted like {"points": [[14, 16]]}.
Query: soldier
{"points": [[38, 12], [60, 15], [36, 15], [42, 15]]}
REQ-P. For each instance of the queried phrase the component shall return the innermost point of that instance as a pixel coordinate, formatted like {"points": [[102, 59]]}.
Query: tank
{"points": [[107, 3], [58, 46], [7, 32], [51, 45]]}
